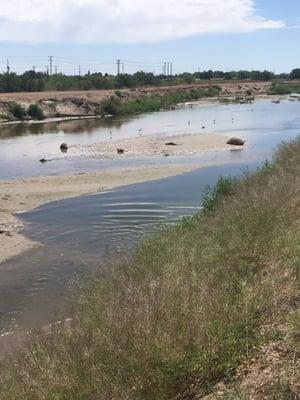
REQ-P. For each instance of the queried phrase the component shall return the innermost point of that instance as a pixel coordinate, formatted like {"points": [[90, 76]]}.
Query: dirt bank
{"points": [[86, 103]]}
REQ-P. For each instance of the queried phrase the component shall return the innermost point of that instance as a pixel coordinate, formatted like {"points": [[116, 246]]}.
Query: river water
{"points": [[81, 234]]}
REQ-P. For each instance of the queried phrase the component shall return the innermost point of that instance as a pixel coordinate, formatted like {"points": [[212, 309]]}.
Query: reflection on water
{"points": [[82, 233], [263, 124]]}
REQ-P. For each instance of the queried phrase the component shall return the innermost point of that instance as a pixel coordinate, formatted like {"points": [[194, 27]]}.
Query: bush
{"points": [[110, 107], [35, 111], [285, 88], [18, 111], [223, 188], [118, 93]]}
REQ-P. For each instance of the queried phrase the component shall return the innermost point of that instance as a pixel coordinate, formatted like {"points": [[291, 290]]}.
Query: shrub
{"points": [[18, 111], [110, 107], [285, 88], [223, 188], [35, 111], [118, 93]]}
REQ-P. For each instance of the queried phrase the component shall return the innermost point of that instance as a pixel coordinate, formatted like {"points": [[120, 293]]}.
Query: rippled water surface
{"points": [[78, 235]]}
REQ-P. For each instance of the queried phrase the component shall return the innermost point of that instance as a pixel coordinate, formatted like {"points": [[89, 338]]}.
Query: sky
{"points": [[192, 34]]}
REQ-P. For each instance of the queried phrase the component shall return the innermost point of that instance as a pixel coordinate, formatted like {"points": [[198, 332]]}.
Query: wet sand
{"points": [[25, 194], [154, 145]]}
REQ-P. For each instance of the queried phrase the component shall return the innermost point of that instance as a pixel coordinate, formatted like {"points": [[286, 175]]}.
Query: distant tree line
{"points": [[31, 81]]}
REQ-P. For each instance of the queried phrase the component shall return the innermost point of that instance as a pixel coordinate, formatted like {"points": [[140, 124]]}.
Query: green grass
{"points": [[114, 106], [285, 88], [193, 302]]}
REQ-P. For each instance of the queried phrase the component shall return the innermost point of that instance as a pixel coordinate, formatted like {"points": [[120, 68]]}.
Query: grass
{"points": [[194, 302], [114, 105], [285, 88]]}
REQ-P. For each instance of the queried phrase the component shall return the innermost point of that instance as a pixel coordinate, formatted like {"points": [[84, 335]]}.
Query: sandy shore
{"points": [[154, 145], [21, 195]]}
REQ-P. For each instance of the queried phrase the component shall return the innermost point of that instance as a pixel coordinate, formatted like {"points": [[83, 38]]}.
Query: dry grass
{"points": [[193, 304]]}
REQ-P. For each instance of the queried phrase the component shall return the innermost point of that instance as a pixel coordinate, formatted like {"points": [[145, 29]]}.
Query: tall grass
{"points": [[114, 106], [192, 303], [285, 88]]}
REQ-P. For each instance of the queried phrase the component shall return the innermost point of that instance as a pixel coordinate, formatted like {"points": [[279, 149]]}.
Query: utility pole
{"points": [[47, 69], [168, 68], [171, 69], [118, 67], [123, 68], [7, 67], [33, 68], [51, 63], [79, 71], [165, 68]]}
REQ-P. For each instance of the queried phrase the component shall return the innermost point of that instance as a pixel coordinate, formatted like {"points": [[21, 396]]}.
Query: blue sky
{"points": [[204, 34]]}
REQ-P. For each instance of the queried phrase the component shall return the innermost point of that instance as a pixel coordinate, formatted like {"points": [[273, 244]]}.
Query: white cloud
{"points": [[125, 21]]}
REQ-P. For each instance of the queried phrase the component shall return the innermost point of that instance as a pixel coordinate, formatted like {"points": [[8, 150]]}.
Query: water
{"points": [[79, 235], [263, 124]]}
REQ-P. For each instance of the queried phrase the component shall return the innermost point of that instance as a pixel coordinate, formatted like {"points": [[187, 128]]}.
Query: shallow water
{"points": [[263, 124], [81, 234]]}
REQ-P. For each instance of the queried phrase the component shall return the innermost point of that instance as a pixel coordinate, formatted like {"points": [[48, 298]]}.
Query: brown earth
{"points": [[85, 103]]}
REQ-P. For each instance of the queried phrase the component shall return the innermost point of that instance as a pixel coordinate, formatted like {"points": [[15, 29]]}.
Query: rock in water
{"points": [[64, 147], [171, 144], [43, 160], [120, 151], [236, 141]]}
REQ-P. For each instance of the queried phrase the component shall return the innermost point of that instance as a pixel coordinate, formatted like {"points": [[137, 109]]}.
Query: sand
{"points": [[154, 145], [22, 195], [25, 194]]}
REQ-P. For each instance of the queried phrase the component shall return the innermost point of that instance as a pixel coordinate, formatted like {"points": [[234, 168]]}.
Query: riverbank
{"points": [[22, 195], [207, 309], [77, 104]]}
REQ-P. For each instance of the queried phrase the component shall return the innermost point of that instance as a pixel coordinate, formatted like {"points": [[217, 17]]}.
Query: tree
{"points": [[295, 74]]}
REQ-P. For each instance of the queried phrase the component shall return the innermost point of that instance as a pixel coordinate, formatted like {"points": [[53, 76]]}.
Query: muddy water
{"points": [[263, 124], [79, 235]]}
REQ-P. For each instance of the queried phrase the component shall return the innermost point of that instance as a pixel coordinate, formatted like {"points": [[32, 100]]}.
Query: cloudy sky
{"points": [[217, 34]]}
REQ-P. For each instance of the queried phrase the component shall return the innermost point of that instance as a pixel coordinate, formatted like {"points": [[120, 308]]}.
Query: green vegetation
{"points": [[31, 81], [18, 111], [194, 302], [35, 111], [114, 106], [285, 88]]}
